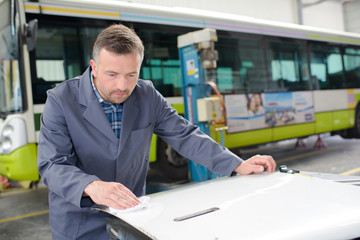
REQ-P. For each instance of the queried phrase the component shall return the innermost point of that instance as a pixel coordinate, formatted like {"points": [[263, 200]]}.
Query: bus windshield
{"points": [[10, 90]]}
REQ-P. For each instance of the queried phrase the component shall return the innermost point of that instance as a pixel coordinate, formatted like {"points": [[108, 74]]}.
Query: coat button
{"points": [[147, 159]]}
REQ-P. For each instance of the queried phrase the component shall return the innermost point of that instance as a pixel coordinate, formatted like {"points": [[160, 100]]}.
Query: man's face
{"points": [[116, 75]]}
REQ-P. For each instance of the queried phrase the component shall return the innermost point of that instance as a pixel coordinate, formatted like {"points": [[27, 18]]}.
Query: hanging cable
{"points": [[222, 104]]}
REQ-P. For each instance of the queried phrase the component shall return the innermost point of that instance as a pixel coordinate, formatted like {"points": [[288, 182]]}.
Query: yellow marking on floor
{"points": [[24, 216], [9, 192], [355, 170], [15, 191]]}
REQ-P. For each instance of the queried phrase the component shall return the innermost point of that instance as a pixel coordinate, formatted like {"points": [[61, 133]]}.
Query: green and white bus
{"points": [[307, 80]]}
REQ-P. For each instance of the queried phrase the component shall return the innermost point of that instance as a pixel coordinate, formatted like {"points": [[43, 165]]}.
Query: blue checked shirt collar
{"points": [[113, 112], [101, 100]]}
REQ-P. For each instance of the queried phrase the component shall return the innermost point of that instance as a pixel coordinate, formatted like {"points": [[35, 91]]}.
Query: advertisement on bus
{"points": [[257, 111]]}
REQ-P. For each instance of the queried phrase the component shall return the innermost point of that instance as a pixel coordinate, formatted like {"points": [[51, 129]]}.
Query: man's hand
{"points": [[256, 164], [111, 194]]}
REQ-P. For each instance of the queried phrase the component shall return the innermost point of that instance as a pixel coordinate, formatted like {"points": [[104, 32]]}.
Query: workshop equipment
{"points": [[198, 66]]}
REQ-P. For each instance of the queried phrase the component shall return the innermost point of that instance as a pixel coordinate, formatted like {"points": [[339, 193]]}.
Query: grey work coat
{"points": [[77, 146]]}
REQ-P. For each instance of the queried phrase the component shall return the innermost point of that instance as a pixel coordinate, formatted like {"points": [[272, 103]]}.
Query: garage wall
{"points": [[328, 14], [352, 16]]}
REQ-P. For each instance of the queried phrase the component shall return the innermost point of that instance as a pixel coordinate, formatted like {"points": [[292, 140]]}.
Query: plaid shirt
{"points": [[112, 111]]}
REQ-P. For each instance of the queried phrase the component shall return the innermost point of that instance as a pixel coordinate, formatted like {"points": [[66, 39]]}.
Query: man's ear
{"points": [[93, 67]]}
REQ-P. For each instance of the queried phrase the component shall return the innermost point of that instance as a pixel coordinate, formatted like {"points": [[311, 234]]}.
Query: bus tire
{"points": [[171, 164], [355, 131]]}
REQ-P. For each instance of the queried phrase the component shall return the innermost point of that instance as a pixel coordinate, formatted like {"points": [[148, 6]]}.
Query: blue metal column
{"points": [[194, 88]]}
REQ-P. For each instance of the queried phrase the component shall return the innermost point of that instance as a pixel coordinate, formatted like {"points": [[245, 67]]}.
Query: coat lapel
{"points": [[130, 114], [94, 112]]}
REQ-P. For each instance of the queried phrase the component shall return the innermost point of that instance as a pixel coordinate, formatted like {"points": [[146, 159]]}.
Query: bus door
{"points": [[17, 147]]}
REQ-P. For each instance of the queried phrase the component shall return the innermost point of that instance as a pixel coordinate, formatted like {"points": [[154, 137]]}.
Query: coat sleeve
{"points": [[190, 142], [57, 161]]}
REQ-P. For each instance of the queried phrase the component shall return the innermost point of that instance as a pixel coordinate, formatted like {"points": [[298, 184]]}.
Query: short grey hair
{"points": [[118, 39]]}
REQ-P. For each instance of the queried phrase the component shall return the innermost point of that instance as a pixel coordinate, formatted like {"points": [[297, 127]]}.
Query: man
{"points": [[95, 138]]}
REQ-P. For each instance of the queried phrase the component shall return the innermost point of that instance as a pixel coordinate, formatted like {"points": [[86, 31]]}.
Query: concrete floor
{"points": [[24, 214]]}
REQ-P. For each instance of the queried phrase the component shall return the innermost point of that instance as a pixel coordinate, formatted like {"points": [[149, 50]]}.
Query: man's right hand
{"points": [[111, 194]]}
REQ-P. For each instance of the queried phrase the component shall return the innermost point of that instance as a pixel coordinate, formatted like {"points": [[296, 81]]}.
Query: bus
{"points": [[279, 81]]}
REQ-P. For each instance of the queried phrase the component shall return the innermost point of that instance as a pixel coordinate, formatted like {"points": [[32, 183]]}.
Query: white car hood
{"points": [[258, 206]]}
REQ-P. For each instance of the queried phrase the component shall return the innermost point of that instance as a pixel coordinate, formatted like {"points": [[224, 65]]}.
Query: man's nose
{"points": [[121, 83]]}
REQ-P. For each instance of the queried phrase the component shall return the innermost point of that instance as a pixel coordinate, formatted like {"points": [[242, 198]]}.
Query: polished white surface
{"points": [[261, 206]]}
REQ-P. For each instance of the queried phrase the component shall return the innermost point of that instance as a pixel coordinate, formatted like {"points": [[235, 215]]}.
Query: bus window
{"points": [[61, 53], [326, 67], [10, 88], [252, 69], [352, 67], [286, 61], [58, 45], [165, 74], [57, 58], [241, 64], [228, 78], [161, 61], [225, 79], [87, 38]]}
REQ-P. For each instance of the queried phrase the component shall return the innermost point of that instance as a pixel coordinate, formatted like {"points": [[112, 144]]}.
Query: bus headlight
{"points": [[13, 135], [6, 144], [7, 131]]}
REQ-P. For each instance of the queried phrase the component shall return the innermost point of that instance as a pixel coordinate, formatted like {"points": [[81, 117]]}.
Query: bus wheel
{"points": [[355, 131], [171, 164]]}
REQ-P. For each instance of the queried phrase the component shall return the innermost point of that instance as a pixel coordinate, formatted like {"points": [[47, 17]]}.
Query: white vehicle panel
{"points": [[331, 100], [259, 206]]}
